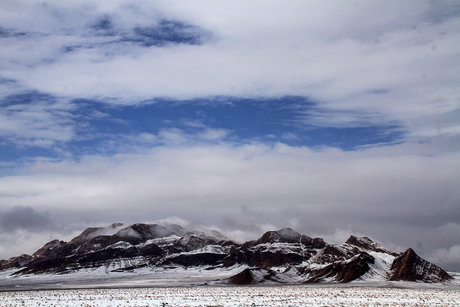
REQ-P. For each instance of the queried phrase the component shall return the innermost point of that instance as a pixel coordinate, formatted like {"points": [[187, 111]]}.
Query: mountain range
{"points": [[281, 256]]}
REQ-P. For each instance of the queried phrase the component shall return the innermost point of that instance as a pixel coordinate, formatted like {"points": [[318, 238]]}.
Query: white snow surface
{"points": [[284, 248], [165, 241], [234, 296], [120, 245], [212, 249], [182, 276], [380, 268], [105, 277]]}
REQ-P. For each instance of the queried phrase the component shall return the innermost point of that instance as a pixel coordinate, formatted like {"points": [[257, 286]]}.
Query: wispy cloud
{"points": [[35, 119]]}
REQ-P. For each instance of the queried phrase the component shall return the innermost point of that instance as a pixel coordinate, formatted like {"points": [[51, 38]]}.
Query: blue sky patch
{"points": [[100, 128]]}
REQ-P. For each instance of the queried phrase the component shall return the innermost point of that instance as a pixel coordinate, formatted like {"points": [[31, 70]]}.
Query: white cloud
{"points": [[37, 122], [21, 242], [289, 136], [401, 66], [213, 134], [147, 137], [447, 257]]}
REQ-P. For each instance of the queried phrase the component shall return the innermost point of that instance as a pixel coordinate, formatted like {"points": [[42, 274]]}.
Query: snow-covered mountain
{"points": [[282, 256]]}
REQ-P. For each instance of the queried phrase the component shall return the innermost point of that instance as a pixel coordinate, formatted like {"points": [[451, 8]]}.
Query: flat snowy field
{"points": [[234, 296]]}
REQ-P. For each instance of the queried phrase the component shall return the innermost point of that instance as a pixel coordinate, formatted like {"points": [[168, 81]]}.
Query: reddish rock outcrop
{"points": [[410, 267], [368, 244], [16, 262]]}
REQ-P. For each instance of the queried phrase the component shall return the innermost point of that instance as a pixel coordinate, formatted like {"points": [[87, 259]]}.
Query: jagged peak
{"points": [[218, 235], [213, 235], [138, 231], [22, 256], [284, 235], [411, 267], [288, 233], [143, 232], [47, 247], [410, 251], [354, 240], [92, 232], [367, 244]]}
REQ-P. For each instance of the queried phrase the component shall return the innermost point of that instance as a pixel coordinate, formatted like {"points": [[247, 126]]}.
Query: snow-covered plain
{"points": [[234, 296]]}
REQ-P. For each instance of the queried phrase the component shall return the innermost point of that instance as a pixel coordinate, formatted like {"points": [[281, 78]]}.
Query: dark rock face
{"points": [[143, 232], [150, 250], [285, 235], [275, 248], [196, 259], [410, 267], [92, 232], [190, 242], [261, 258], [368, 244], [54, 249], [16, 262], [345, 271], [53, 265], [330, 254], [87, 260], [245, 277], [318, 243], [276, 257]]}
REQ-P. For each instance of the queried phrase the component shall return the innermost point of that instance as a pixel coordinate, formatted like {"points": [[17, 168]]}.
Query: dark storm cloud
{"points": [[25, 218]]}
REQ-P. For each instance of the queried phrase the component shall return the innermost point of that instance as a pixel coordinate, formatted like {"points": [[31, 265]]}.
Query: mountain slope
{"points": [[411, 267], [282, 256]]}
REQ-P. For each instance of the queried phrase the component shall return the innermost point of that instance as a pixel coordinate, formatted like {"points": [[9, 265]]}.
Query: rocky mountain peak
{"points": [[152, 231], [92, 232], [411, 267], [367, 244], [48, 248], [284, 235]]}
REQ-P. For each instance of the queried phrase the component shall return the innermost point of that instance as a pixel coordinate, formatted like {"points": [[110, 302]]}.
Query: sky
{"points": [[330, 117]]}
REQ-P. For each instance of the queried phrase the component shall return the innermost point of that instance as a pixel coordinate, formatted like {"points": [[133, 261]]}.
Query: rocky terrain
{"points": [[282, 256]]}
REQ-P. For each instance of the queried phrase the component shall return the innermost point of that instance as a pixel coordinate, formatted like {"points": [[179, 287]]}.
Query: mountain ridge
{"points": [[279, 256]]}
